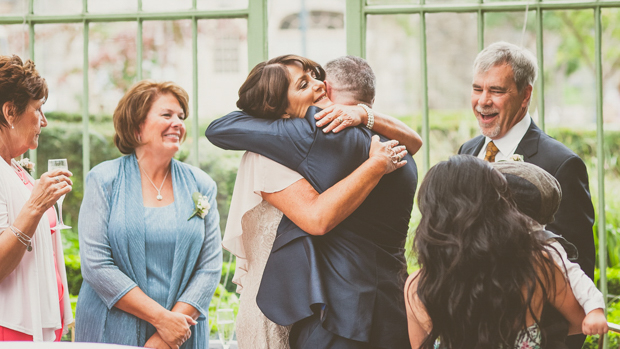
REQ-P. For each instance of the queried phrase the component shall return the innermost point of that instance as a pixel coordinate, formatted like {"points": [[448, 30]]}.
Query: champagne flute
{"points": [[59, 164], [225, 326]]}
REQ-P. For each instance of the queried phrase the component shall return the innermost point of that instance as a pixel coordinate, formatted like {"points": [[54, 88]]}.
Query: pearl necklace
{"points": [[159, 197]]}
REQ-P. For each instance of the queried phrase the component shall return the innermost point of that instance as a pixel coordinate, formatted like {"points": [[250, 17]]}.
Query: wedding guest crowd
{"points": [[318, 220]]}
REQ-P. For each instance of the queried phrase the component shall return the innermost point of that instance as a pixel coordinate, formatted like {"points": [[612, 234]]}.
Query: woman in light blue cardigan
{"points": [[149, 271]]}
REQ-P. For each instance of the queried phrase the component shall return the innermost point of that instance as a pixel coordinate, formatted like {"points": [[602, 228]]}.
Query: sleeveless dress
{"points": [[530, 338], [6, 334], [250, 232], [159, 248]]}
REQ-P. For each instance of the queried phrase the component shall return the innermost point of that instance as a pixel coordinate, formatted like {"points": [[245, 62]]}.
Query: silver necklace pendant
{"points": [[159, 197]]}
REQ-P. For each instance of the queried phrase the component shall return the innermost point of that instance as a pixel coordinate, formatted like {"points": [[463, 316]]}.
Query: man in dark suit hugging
{"points": [[504, 76], [344, 289]]}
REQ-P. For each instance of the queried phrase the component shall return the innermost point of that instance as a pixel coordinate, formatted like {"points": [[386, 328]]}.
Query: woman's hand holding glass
{"points": [[174, 328], [49, 188], [389, 154]]}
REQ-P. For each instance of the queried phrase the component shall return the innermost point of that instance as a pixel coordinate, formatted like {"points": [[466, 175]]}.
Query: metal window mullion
{"points": [[125, 17], [33, 152], [513, 6], [257, 32], [139, 44], [85, 97], [195, 132], [425, 114], [363, 25], [480, 30], [355, 27], [600, 142], [85, 106], [541, 67]]}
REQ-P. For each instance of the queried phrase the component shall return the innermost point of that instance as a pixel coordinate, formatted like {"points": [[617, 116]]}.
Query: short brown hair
{"points": [[264, 93], [133, 108], [19, 84]]}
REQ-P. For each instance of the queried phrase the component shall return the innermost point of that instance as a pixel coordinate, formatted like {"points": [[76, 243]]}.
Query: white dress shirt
{"points": [[507, 145]]}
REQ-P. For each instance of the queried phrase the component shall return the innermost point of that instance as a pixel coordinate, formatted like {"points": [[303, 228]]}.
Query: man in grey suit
{"points": [[504, 76]]}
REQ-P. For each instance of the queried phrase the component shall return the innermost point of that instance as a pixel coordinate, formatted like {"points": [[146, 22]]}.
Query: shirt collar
{"points": [[508, 144]]}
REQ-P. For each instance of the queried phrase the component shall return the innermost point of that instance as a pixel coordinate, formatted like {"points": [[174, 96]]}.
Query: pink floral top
{"points": [[530, 338]]}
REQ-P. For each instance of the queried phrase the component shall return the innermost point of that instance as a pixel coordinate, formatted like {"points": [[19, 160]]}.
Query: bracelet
{"points": [[371, 116], [20, 234], [23, 238]]}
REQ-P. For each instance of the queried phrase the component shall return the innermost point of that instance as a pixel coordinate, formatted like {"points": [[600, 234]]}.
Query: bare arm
{"points": [[156, 341], [317, 213], [172, 326], [352, 115], [418, 321], [44, 194], [565, 302]]}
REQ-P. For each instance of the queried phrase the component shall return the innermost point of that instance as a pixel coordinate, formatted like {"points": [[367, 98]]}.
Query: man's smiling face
{"points": [[496, 102]]}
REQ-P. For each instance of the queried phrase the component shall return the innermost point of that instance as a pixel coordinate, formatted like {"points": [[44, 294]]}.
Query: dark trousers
{"points": [[309, 334]]}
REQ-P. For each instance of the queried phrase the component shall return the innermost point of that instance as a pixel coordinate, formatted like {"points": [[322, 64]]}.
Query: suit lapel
{"points": [[528, 147], [473, 147]]}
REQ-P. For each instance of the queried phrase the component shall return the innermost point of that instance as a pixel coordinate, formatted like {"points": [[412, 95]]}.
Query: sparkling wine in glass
{"points": [[56, 164], [225, 326]]}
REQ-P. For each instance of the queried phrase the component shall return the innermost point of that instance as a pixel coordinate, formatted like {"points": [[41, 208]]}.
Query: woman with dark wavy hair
{"points": [[483, 277]]}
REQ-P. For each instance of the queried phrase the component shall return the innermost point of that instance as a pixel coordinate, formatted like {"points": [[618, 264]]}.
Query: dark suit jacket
{"points": [[356, 271], [575, 217]]}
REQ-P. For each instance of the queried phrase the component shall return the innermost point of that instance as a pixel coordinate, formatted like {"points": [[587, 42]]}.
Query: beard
{"points": [[492, 131]]}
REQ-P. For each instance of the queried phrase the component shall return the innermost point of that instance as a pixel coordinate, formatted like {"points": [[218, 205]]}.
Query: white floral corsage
{"points": [[27, 165], [201, 204], [514, 157]]}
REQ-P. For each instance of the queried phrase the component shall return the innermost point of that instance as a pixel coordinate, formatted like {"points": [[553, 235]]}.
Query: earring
{"points": [[139, 139], [12, 127]]}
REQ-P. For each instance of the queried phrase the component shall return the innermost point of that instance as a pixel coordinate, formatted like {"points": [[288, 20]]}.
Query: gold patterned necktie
{"points": [[492, 150]]}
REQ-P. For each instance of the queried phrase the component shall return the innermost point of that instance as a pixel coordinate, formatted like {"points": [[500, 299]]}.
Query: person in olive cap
{"points": [[537, 194]]}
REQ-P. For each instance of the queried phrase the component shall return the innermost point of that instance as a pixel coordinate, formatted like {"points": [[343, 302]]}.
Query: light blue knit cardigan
{"points": [[112, 249]]}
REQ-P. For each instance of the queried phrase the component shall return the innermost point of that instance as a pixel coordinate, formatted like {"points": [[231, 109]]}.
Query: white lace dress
{"points": [[250, 232]]}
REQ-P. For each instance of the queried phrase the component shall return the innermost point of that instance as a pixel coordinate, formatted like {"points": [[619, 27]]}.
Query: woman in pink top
{"points": [[35, 302]]}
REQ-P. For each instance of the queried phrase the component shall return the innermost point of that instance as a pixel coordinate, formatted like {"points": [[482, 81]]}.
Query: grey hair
{"points": [[352, 74], [522, 61]]}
